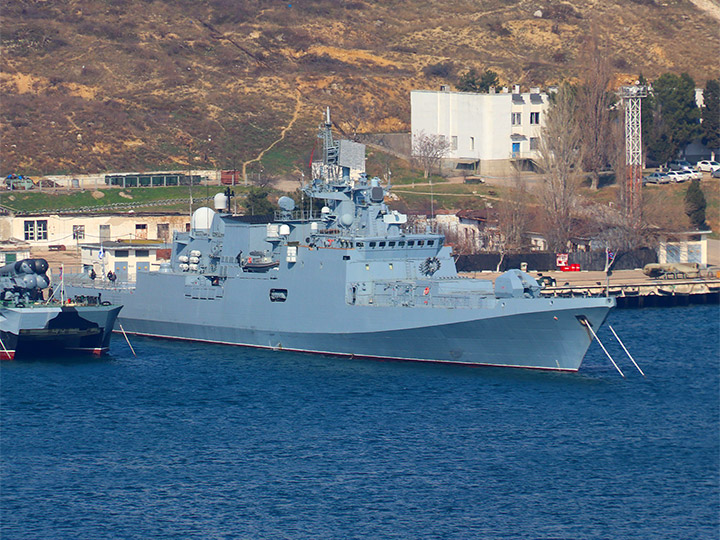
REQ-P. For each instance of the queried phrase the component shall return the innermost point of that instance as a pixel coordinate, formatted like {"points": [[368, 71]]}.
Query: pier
{"points": [[631, 288]]}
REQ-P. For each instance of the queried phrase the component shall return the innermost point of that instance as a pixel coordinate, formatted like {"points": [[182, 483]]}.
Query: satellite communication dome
{"points": [[202, 219], [220, 201]]}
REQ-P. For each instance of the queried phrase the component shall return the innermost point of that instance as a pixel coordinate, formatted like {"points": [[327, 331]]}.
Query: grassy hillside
{"points": [[93, 85]]}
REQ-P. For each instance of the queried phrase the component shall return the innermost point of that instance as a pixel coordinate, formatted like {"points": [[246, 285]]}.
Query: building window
{"points": [[104, 233], [142, 252], [163, 231], [41, 228], [141, 231], [29, 230], [453, 142], [78, 232], [516, 118], [534, 143], [472, 143], [534, 118], [36, 230], [122, 254]]}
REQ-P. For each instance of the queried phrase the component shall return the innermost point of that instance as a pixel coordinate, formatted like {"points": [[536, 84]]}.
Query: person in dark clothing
{"points": [[111, 276], [93, 275]]}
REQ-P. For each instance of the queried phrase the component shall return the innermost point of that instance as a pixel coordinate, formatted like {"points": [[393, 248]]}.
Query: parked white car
{"points": [[707, 166], [678, 176]]}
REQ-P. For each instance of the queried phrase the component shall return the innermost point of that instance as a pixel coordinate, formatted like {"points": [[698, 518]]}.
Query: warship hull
{"points": [[512, 332], [26, 331]]}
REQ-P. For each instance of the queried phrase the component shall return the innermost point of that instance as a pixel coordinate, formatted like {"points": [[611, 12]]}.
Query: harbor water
{"points": [[191, 440]]}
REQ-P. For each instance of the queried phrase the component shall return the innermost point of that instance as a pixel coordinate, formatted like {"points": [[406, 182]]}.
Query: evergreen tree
{"points": [[469, 81], [256, 202], [488, 79], [676, 118], [695, 205], [711, 114]]}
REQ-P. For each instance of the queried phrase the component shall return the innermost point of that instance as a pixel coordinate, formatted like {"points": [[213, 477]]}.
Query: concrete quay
{"points": [[631, 288]]}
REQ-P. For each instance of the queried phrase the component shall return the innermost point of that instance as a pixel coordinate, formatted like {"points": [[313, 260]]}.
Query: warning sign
{"points": [[561, 259]]}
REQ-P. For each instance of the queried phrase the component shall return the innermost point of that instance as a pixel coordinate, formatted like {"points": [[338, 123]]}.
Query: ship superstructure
{"points": [[350, 278]]}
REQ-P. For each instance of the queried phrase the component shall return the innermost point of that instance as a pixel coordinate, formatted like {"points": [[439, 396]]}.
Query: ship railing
{"points": [[82, 279], [296, 215]]}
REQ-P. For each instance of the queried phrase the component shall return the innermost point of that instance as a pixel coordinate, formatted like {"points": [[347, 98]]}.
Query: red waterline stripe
{"points": [[350, 355]]}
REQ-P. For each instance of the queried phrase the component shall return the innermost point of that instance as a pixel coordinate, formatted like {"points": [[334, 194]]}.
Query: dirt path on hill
{"points": [[296, 113]]}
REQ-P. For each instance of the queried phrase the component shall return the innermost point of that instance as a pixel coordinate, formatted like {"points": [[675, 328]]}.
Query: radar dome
{"points": [[346, 220], [202, 219], [220, 201], [286, 203]]}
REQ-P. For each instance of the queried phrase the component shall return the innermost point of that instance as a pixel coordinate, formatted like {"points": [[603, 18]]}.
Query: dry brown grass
{"points": [[146, 83]]}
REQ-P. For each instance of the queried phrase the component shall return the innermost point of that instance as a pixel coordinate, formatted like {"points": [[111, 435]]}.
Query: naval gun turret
{"points": [[20, 281]]}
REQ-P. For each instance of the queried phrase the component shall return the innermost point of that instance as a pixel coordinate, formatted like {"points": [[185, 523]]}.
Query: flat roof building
{"points": [[492, 133]]}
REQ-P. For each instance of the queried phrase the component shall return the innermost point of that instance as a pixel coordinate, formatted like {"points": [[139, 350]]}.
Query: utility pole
{"points": [[632, 100]]}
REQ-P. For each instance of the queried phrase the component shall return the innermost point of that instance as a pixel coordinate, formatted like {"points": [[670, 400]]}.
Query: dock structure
{"points": [[631, 288], [655, 293]]}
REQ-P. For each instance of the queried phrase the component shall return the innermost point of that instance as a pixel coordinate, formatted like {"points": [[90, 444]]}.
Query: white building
{"points": [[489, 133], [56, 231]]}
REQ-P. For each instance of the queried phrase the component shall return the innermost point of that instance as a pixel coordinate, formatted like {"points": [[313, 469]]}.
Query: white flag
{"points": [[101, 253]]}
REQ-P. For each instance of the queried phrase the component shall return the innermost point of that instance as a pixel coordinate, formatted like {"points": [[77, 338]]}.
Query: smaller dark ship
{"points": [[32, 326]]}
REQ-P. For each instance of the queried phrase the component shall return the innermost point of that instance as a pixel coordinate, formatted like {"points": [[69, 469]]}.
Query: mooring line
{"points": [[587, 323], [625, 349], [128, 341]]}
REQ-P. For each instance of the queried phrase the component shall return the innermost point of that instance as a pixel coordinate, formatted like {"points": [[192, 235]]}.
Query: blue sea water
{"points": [[201, 441]]}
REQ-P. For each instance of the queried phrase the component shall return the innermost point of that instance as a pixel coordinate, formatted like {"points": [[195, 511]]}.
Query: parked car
{"points": [[677, 176], [678, 165], [656, 178], [708, 166], [716, 173]]}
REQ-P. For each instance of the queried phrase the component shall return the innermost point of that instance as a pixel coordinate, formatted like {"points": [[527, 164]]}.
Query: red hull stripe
{"points": [[6, 354]]}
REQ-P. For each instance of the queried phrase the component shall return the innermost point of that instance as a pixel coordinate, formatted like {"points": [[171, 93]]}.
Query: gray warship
{"points": [[31, 326], [350, 278]]}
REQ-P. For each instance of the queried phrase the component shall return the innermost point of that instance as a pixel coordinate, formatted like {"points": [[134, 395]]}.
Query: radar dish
{"points": [[286, 203]]}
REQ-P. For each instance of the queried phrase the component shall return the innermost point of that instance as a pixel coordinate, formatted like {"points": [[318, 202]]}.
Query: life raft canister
{"points": [[426, 291]]}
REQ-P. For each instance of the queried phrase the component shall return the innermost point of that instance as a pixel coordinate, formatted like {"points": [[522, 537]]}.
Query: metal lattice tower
{"points": [[632, 96]]}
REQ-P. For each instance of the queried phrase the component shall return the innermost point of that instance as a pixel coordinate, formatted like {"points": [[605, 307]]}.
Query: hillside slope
{"points": [[94, 85]]}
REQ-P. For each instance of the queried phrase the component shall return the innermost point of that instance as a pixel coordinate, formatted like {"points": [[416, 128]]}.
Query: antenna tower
{"points": [[632, 96]]}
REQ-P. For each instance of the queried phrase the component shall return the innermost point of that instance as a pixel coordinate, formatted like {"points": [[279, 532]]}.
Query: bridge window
{"points": [[372, 244], [382, 244], [411, 243], [431, 242]]}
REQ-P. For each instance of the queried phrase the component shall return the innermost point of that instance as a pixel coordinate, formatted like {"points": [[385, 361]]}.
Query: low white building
{"points": [[684, 247], [54, 231], [489, 133]]}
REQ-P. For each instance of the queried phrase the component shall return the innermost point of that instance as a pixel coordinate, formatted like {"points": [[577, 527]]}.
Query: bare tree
{"points": [[560, 157], [428, 150], [513, 215], [593, 103]]}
